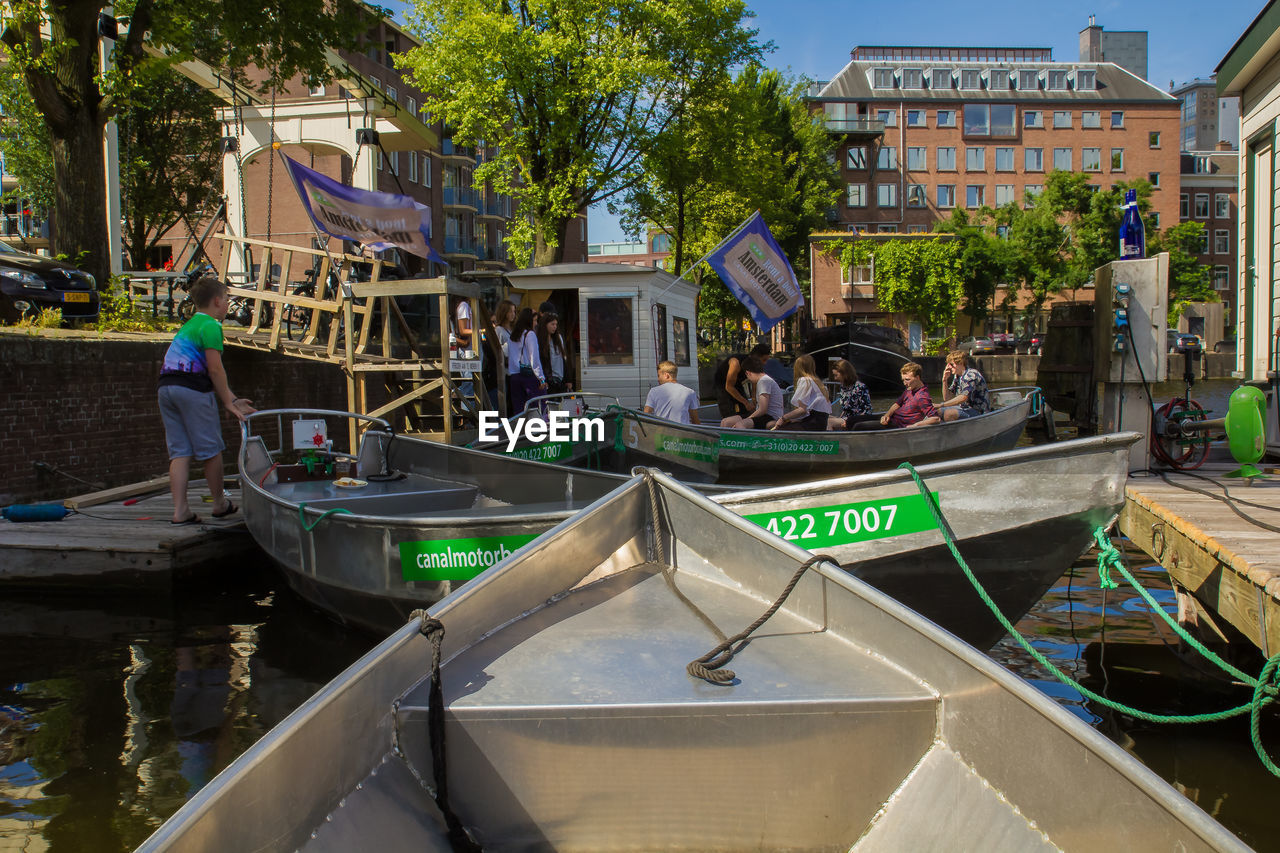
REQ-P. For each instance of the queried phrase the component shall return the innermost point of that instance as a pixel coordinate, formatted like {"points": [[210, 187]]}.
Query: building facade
{"points": [[1209, 196], [651, 252], [1126, 48], [1207, 118], [921, 133]]}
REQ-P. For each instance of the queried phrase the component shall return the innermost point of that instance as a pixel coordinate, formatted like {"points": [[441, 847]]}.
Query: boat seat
{"points": [[601, 749]]}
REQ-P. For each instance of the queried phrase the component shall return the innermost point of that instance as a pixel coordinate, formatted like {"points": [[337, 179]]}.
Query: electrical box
{"points": [[310, 434], [1131, 308]]}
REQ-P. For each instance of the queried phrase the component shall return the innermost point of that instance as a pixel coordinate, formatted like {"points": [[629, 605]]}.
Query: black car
{"points": [[29, 283]]}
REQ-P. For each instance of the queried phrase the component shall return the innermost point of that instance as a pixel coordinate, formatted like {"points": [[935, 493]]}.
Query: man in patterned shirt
{"points": [[914, 408], [965, 389]]}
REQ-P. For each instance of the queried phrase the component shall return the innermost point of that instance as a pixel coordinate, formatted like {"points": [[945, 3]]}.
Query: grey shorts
{"points": [[192, 426], [962, 412]]}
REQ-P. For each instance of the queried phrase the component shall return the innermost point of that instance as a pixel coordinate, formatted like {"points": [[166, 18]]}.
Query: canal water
{"points": [[114, 712]]}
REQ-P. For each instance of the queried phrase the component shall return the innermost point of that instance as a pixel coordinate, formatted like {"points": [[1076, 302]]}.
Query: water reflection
{"points": [[113, 716]]}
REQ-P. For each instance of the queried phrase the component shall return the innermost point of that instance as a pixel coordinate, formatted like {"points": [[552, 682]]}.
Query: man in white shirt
{"points": [[670, 400], [464, 327]]}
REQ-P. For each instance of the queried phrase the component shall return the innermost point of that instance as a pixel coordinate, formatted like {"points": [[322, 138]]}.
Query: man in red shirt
{"points": [[914, 408]]}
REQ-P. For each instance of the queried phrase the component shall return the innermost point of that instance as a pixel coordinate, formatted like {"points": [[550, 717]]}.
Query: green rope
{"points": [[1265, 686], [302, 516]]}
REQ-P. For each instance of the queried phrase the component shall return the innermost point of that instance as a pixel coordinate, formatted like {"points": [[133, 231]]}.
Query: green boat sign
{"points": [[841, 524], [456, 559]]}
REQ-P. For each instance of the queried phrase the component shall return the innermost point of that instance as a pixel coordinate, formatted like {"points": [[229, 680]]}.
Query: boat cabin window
{"points": [[660, 326], [609, 333], [680, 331]]}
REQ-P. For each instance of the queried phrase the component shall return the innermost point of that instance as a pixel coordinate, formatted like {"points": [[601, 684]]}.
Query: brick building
{"points": [[924, 130], [1209, 196]]}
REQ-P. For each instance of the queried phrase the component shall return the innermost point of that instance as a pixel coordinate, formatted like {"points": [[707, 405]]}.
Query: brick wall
{"points": [[87, 407]]}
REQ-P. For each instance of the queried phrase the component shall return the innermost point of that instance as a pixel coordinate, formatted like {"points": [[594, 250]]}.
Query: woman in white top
{"points": [[812, 408], [524, 364], [504, 317], [555, 363]]}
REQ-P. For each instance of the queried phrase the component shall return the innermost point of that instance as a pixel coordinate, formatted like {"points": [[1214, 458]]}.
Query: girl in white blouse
{"points": [[812, 408]]}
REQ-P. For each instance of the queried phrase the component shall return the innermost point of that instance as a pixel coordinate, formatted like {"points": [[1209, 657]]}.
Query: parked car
{"points": [[977, 346], [1004, 340], [29, 283], [1035, 344], [1183, 342]]}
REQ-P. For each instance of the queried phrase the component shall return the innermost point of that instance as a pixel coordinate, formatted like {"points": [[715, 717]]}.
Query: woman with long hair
{"points": [[504, 318], [812, 408], [524, 364], [555, 361], [852, 400]]}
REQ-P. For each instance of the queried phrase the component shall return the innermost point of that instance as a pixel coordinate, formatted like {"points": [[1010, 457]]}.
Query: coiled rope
{"points": [[1266, 686]]}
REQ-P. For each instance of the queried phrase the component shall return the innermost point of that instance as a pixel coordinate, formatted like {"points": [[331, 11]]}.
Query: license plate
{"points": [[75, 297]]}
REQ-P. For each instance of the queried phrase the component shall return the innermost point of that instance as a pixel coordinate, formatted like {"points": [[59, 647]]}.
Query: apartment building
{"points": [[650, 252], [1209, 196], [923, 131], [1207, 118]]}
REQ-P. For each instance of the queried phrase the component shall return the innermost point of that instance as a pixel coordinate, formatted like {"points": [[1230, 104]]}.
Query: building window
{"points": [[391, 93], [946, 159], [1062, 119], [887, 229], [1004, 194], [887, 157], [946, 195], [1153, 139], [977, 120], [413, 166], [1004, 119], [940, 79], [411, 107], [1057, 81], [1221, 278], [1154, 216], [975, 159], [1117, 119], [915, 229], [1062, 159], [997, 79], [1153, 178], [915, 118], [1090, 119], [1221, 206], [1033, 159], [946, 118], [1117, 159], [889, 117], [1091, 159], [975, 195], [1204, 242], [887, 195], [1004, 159], [1221, 241], [912, 78], [1032, 191], [609, 331], [1028, 81], [1184, 206], [856, 195], [1202, 165], [317, 91], [1032, 118], [915, 195], [882, 78], [970, 78], [426, 170], [916, 159], [1086, 80], [680, 335], [856, 157]]}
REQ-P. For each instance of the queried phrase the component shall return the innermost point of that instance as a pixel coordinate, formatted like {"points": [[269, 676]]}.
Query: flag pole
{"points": [[693, 266]]}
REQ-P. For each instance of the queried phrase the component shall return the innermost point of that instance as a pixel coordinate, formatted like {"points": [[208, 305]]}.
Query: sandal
{"points": [[191, 519], [230, 508]]}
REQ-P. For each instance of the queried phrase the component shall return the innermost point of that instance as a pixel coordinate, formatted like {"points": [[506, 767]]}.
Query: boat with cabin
{"points": [[624, 682]]}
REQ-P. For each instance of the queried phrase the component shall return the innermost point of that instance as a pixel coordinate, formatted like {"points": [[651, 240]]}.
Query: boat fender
{"points": [[1245, 424], [35, 512]]}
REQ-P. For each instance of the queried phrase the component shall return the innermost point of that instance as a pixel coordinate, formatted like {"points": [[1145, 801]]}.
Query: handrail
{"points": [[534, 403]]}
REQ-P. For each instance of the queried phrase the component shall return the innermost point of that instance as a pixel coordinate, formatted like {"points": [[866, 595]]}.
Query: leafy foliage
{"points": [[921, 279], [568, 95], [25, 145]]}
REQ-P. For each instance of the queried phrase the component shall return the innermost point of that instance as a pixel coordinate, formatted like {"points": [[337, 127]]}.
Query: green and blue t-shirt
{"points": [[184, 361]]}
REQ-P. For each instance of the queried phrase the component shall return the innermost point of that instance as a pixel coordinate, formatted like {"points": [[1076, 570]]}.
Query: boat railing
{"points": [[247, 430], [538, 405]]}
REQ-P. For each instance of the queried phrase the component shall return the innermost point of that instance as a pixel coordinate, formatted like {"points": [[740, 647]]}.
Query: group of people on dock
{"points": [[527, 353]]}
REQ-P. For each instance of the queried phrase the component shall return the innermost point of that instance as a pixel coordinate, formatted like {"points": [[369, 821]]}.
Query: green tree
{"points": [[1188, 278], [25, 144], [985, 255], [54, 46], [921, 279], [170, 160], [570, 93]]}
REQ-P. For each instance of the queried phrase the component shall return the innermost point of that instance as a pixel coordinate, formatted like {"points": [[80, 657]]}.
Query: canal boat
{"points": [[568, 700], [431, 516], [751, 456]]}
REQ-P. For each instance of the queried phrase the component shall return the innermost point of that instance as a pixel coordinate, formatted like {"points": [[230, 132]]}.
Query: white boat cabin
{"points": [[624, 319]]}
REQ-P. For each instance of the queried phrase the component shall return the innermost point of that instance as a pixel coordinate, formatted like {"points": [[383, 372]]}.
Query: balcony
{"points": [[865, 127], [457, 153], [493, 206], [850, 292], [459, 197], [460, 247]]}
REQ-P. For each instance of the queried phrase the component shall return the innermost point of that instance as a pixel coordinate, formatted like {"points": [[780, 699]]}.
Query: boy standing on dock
{"points": [[192, 381]]}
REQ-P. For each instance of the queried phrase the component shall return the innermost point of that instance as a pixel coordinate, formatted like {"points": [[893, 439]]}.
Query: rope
{"points": [[1264, 692], [709, 666], [302, 516]]}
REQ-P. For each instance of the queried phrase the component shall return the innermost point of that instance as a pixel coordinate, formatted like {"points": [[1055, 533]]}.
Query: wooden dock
{"points": [[106, 544], [1225, 566]]}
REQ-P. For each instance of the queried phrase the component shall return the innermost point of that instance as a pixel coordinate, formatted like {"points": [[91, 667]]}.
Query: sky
{"points": [[812, 38]]}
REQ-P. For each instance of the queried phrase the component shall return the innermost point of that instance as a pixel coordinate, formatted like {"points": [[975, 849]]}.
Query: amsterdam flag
{"points": [[757, 273]]}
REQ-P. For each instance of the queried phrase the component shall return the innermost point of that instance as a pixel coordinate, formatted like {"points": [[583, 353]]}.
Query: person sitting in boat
{"points": [[914, 408], [524, 363], [964, 389], [812, 408], [769, 405], [669, 399], [728, 383], [852, 401]]}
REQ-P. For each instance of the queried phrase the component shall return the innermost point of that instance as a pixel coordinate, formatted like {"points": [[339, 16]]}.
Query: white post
{"points": [[111, 160]]}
